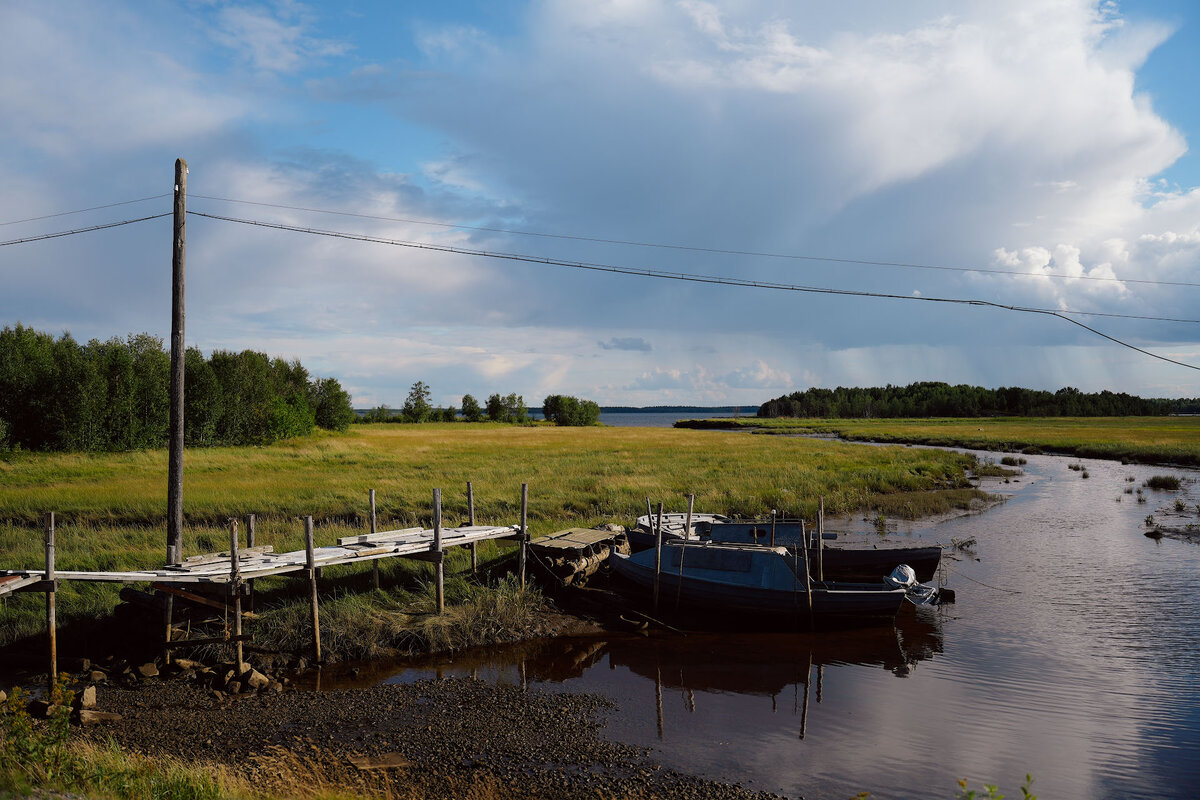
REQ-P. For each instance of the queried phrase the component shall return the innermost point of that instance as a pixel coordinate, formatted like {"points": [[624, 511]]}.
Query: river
{"points": [[1072, 653]]}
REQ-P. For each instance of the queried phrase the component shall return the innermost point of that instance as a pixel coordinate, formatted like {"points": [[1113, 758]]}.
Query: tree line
{"points": [[933, 399], [511, 408], [57, 394]]}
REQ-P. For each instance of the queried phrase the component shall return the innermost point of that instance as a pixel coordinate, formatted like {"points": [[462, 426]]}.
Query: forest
{"points": [[57, 394], [933, 399]]}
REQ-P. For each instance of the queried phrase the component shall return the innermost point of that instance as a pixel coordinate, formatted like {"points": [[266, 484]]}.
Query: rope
{"points": [[981, 583]]}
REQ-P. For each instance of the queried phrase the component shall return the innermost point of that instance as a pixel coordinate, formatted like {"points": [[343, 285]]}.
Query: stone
{"points": [[90, 716], [79, 665], [256, 680], [148, 670], [87, 698], [97, 676], [187, 663], [3, 696], [233, 687]]}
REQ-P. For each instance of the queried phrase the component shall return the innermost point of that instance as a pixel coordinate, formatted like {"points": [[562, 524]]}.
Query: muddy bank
{"points": [[441, 736]]}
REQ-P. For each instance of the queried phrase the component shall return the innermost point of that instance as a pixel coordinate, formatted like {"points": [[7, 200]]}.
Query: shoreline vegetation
{"points": [[1167, 440]]}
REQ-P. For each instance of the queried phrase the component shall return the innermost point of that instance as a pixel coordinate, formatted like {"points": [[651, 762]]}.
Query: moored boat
{"points": [[753, 583], [838, 563]]}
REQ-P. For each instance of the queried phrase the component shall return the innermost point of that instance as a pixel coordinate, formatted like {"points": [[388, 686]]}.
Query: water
{"points": [[659, 419], [1071, 654]]}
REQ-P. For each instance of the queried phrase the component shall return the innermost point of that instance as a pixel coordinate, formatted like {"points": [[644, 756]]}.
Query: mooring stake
{"points": [[658, 541], [235, 586], [51, 623], [471, 522], [374, 528], [439, 565], [524, 529], [310, 561]]}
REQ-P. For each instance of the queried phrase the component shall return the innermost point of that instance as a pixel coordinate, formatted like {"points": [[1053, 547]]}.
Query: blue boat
{"points": [[752, 583]]}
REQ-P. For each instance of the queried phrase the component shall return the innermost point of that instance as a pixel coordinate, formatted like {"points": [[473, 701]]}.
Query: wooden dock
{"points": [[262, 562]]}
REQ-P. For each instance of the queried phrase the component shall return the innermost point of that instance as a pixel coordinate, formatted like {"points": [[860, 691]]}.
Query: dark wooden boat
{"points": [[754, 583], [838, 563]]}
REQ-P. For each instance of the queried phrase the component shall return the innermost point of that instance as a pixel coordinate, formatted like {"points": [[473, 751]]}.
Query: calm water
{"points": [[1072, 653]]}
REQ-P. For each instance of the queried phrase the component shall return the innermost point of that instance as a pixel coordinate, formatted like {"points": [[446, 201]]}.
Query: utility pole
{"points": [[175, 453]]}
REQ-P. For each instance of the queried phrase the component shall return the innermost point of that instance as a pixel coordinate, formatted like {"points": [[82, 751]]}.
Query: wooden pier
{"points": [[231, 573]]}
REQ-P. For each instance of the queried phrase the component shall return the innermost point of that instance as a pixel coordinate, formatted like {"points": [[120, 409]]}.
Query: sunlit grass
{"points": [[1158, 440]]}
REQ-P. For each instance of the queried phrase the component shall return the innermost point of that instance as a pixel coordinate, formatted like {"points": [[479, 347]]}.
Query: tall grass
{"points": [[1149, 440]]}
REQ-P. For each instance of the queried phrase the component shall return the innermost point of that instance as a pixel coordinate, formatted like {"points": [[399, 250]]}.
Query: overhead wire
{"points": [[696, 249], [696, 278], [82, 210], [89, 229]]}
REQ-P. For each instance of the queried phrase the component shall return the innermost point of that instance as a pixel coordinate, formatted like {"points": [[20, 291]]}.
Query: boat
{"points": [[836, 563], [751, 584]]}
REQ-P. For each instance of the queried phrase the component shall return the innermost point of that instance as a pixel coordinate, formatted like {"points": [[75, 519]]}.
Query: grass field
{"points": [[111, 507], [1149, 440]]}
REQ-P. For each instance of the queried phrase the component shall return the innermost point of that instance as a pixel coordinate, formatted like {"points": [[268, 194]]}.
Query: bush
{"points": [[565, 410], [470, 409]]}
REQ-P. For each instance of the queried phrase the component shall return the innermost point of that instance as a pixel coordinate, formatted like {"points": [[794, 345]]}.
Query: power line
{"points": [[711, 279], [60, 234], [82, 210], [694, 249]]}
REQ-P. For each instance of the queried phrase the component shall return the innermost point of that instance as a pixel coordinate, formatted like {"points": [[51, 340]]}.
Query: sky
{"points": [[1043, 150]]}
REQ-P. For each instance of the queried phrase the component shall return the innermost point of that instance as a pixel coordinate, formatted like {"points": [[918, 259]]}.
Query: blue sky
{"points": [[1053, 139]]}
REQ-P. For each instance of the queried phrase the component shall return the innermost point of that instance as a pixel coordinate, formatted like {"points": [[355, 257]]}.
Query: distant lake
{"points": [[657, 419]]}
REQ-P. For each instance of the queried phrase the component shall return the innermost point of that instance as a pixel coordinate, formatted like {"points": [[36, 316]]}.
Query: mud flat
{"points": [[431, 739]]}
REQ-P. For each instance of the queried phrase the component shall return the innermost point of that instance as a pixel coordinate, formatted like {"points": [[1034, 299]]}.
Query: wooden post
{"points": [[471, 522], [772, 527], [311, 563], [524, 528], [649, 515], [374, 528], [250, 542], [175, 423], [235, 586], [807, 576], [821, 540], [658, 539], [51, 622], [687, 530], [440, 564]]}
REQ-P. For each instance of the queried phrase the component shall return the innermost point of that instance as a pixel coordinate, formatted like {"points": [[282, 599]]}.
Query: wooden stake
{"points": [[658, 536], [772, 527], [524, 528], [374, 528], [687, 531], [51, 622], [821, 540], [807, 576], [471, 521], [250, 543], [175, 424], [440, 564], [235, 586], [310, 561]]}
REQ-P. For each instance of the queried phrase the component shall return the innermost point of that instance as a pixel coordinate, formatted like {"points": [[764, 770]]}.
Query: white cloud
{"points": [[272, 38]]}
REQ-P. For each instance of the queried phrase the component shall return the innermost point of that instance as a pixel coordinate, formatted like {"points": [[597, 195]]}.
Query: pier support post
{"points": [[821, 539], [439, 565], [51, 621], [524, 529], [374, 528], [311, 564], [235, 587], [471, 522], [687, 530], [658, 544], [772, 527], [250, 542]]}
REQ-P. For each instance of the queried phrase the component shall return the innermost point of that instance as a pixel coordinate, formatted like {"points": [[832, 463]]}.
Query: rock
{"points": [[187, 663], [148, 670], [256, 680], [275, 686], [79, 665], [87, 698], [3, 696], [97, 676], [90, 716], [233, 687], [41, 709]]}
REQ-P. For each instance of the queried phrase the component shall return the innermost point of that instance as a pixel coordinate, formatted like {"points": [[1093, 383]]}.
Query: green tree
{"points": [[566, 410], [470, 409], [417, 407], [331, 404]]}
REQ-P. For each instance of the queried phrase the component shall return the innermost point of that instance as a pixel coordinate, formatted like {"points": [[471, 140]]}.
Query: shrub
{"points": [[565, 410], [470, 409]]}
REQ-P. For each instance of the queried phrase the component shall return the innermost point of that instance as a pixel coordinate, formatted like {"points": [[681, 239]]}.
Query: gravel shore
{"points": [[432, 738]]}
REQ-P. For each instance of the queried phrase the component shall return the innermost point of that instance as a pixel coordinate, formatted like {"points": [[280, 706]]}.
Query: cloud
{"points": [[635, 343], [272, 38]]}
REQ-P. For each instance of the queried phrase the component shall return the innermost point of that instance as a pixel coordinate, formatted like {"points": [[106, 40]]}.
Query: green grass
{"points": [[111, 507], [1150, 440]]}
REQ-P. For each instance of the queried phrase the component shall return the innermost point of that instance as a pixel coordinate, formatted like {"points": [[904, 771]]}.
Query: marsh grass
{"points": [[1148, 440]]}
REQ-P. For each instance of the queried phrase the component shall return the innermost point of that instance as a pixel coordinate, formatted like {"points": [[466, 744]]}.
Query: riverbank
{"points": [[1142, 440]]}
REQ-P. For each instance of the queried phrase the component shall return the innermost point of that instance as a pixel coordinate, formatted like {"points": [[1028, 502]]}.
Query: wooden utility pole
{"points": [[175, 455]]}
